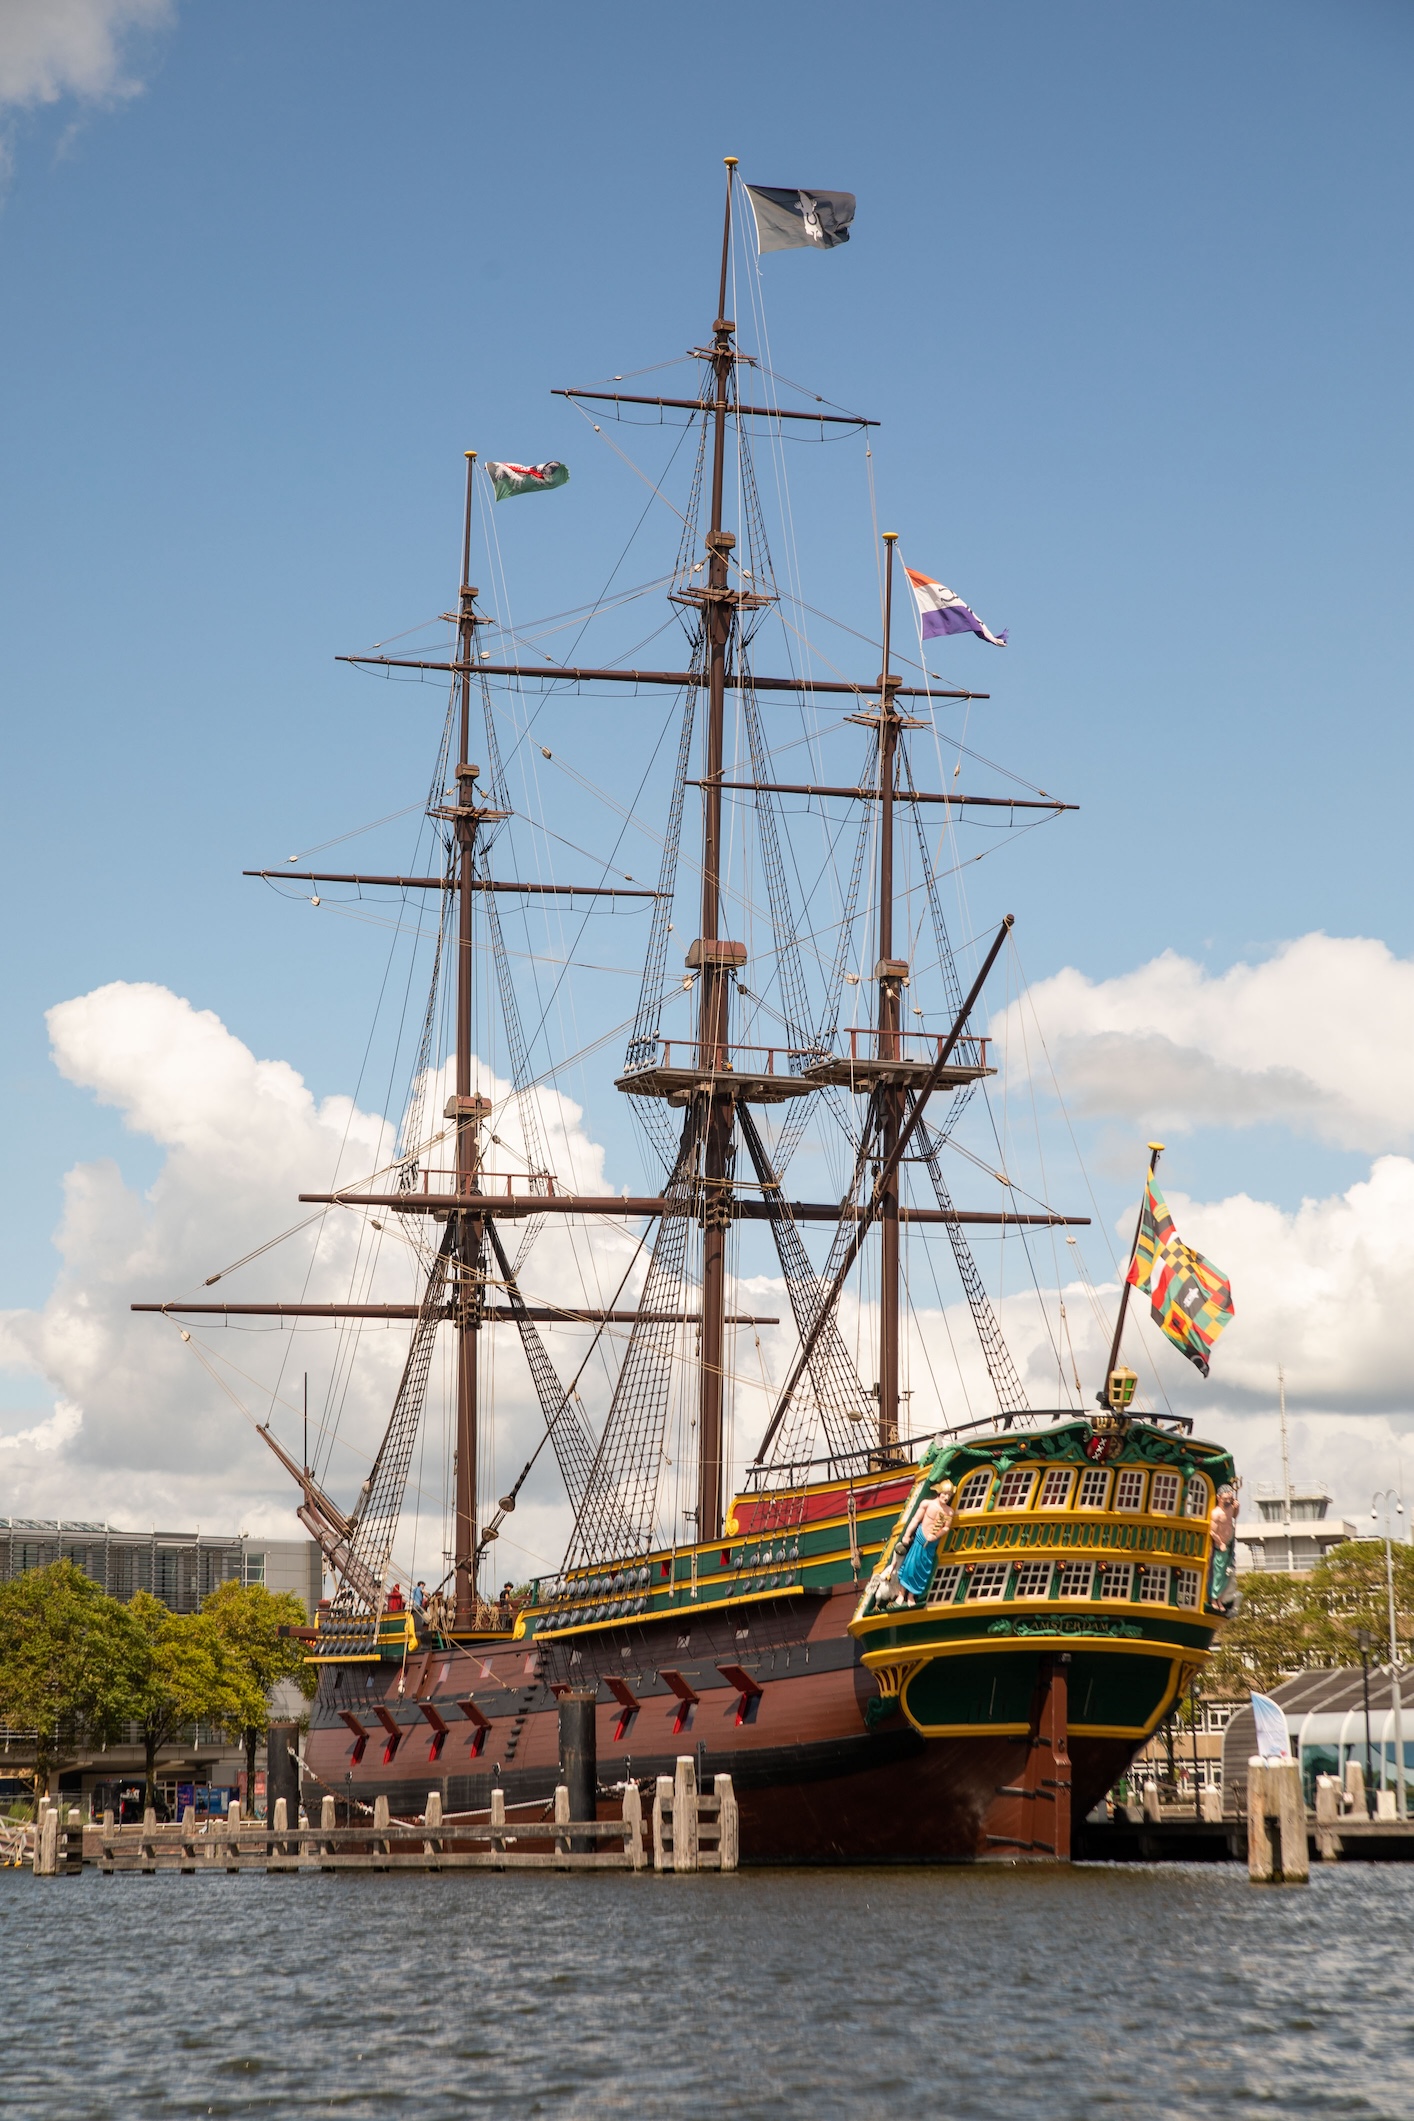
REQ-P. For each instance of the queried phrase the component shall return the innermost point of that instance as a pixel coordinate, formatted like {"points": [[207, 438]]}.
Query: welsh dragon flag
{"points": [[509, 479], [1190, 1301]]}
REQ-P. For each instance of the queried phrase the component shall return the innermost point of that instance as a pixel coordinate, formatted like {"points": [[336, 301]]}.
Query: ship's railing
{"points": [[837, 1465], [866, 1045], [512, 1185], [869, 1044], [739, 1060]]}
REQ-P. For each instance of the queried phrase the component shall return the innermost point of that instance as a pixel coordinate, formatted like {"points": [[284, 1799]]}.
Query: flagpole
{"points": [[1156, 1150]]}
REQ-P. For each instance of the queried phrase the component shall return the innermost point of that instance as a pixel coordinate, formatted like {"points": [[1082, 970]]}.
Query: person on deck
{"points": [[395, 1600], [419, 1600], [934, 1521], [505, 1608]]}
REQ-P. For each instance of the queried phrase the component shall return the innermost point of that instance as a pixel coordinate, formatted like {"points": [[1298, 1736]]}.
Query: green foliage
{"points": [[1268, 1640], [249, 1619], [178, 1672], [1289, 1624], [62, 1661], [76, 1664], [1349, 1591]]}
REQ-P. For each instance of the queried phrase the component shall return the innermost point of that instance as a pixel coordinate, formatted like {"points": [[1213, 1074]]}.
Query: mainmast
{"points": [[715, 960], [465, 1110]]}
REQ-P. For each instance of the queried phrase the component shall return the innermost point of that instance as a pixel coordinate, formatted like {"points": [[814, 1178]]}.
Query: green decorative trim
{"points": [[948, 1624], [1068, 1624]]}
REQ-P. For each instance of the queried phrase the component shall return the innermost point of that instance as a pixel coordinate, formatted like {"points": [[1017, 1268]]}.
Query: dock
{"points": [[685, 1829]]}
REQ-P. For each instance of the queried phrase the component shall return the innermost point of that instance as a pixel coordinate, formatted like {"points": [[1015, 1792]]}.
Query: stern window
{"points": [[1195, 1501], [1129, 1491], [989, 1579], [1163, 1494], [1116, 1580], [945, 1584], [1075, 1578], [1185, 1587], [1033, 1579], [1154, 1586], [1094, 1487], [1015, 1490], [972, 1495], [1055, 1488]]}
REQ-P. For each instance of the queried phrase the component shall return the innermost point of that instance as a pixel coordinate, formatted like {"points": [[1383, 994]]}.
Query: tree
{"points": [[1289, 1624], [176, 1671], [1272, 1636], [1349, 1591], [248, 1619], [62, 1662]]}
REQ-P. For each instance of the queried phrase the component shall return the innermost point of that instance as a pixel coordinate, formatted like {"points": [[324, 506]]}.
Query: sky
{"points": [[1126, 293]]}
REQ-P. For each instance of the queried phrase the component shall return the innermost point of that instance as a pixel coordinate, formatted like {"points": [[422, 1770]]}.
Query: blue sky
{"points": [[1127, 290]]}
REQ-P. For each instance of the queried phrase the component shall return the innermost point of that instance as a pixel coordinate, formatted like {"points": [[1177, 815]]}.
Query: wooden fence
{"points": [[688, 1831]]}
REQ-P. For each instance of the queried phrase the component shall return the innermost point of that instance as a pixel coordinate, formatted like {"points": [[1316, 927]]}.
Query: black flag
{"points": [[800, 220]]}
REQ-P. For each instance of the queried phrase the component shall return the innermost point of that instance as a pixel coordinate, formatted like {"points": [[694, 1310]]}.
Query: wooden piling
{"points": [[728, 1825], [328, 1822], [685, 1814], [46, 1842], [498, 1821], [579, 1768], [562, 1818], [633, 1825], [662, 1822], [1328, 1813], [282, 1770], [432, 1818], [1277, 1853]]}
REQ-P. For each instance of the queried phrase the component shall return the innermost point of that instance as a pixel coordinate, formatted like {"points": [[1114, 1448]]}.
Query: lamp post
{"points": [[1362, 1638], [1388, 1496]]}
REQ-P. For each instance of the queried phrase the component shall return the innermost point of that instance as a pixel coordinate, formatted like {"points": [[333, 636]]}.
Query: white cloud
{"points": [[145, 1434], [142, 1433], [1317, 1037], [60, 1428], [1321, 1291], [55, 48]]}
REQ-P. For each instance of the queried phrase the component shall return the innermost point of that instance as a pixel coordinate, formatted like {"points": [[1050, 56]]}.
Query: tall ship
{"points": [[904, 1634]]}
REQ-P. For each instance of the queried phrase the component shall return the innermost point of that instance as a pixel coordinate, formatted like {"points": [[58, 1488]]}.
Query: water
{"points": [[1164, 1994]]}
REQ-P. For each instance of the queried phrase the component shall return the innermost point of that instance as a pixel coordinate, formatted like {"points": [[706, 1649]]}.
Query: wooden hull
{"points": [[855, 1729], [818, 1777]]}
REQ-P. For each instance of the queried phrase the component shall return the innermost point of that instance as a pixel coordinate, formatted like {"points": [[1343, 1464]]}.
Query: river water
{"points": [[1164, 1994]]}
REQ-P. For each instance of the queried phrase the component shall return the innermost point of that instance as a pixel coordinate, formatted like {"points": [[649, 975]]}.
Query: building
{"points": [[180, 1568], [202, 1768], [1325, 1717], [1197, 1757], [1292, 1543]]}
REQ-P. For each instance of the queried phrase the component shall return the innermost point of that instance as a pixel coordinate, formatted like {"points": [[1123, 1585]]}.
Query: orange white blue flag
{"points": [[941, 610]]}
